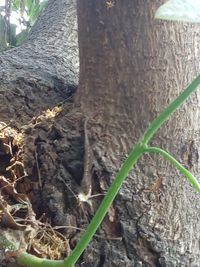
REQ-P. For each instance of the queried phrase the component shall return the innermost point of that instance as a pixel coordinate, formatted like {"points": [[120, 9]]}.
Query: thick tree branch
{"points": [[47, 60]]}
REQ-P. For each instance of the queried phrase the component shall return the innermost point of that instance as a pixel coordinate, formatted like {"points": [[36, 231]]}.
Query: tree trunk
{"points": [[45, 68], [39, 79], [131, 66]]}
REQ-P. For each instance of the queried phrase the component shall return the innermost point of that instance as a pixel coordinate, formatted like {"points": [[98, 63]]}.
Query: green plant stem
{"points": [[136, 153], [180, 167], [26, 259], [156, 124], [105, 205]]}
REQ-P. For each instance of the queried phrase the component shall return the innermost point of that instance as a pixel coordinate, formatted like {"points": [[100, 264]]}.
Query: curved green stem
{"points": [[140, 148], [26, 259], [105, 205], [180, 167], [156, 124]]}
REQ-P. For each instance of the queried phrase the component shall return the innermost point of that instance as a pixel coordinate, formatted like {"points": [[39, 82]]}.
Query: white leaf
{"points": [[181, 10]]}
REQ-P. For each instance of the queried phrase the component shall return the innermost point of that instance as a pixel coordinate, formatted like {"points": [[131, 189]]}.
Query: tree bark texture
{"points": [[35, 78], [131, 67], [46, 65]]}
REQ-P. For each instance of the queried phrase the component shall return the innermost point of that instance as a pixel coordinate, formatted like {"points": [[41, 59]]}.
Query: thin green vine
{"points": [[157, 123], [29, 260], [139, 149], [106, 203], [180, 167], [135, 154]]}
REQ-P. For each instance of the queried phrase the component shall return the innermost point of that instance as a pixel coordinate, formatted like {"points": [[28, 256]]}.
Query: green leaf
{"points": [[36, 10], [34, 13], [29, 4], [3, 39], [21, 37], [180, 10], [22, 7], [15, 5], [12, 34]]}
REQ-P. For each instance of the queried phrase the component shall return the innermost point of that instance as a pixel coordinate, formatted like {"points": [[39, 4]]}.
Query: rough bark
{"points": [[44, 70], [36, 81], [131, 66]]}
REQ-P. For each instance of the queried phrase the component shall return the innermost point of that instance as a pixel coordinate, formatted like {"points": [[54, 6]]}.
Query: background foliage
{"points": [[25, 13]]}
